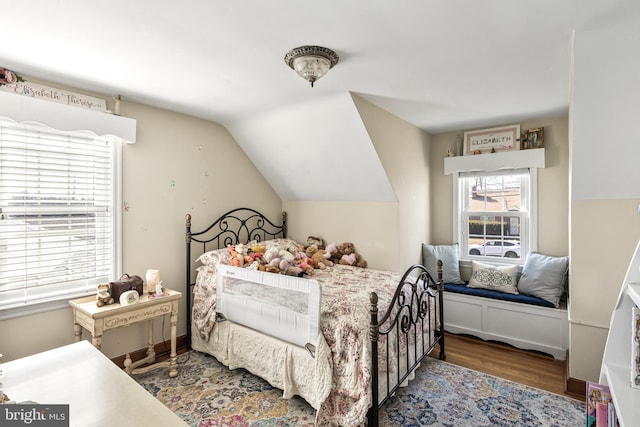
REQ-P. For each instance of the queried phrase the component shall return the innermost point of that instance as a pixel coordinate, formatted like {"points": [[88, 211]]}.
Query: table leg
{"points": [[173, 366], [127, 364], [151, 351], [77, 332], [97, 341]]}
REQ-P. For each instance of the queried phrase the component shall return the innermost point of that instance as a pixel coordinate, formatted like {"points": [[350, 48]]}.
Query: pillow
{"points": [[544, 277], [448, 254], [284, 244], [497, 278], [215, 256]]}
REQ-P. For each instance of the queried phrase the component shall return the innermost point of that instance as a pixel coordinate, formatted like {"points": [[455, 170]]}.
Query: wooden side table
{"points": [[97, 320]]}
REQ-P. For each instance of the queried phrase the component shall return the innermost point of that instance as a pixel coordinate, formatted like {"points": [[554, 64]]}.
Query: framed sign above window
{"points": [[504, 138]]}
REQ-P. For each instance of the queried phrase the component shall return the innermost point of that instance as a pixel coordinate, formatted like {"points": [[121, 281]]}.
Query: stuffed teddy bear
{"points": [[318, 257], [335, 252], [103, 297], [350, 256]]}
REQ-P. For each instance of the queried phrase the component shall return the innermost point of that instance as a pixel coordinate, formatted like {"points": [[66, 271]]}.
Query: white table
{"points": [[97, 391], [97, 320]]}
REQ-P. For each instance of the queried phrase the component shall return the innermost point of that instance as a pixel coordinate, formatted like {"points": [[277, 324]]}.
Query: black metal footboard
{"points": [[411, 327]]}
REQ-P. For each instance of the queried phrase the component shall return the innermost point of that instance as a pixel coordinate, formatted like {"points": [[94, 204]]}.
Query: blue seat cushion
{"points": [[504, 296]]}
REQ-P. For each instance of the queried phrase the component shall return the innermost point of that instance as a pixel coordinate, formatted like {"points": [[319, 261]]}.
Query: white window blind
{"points": [[57, 205]]}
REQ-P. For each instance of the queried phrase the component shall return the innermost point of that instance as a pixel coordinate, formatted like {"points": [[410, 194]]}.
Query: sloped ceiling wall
{"points": [[315, 151]]}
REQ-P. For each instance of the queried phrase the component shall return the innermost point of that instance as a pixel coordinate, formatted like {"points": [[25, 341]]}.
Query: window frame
{"points": [[528, 238], [62, 301]]}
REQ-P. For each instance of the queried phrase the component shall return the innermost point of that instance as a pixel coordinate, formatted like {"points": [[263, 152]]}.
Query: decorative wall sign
{"points": [[482, 141], [35, 90]]}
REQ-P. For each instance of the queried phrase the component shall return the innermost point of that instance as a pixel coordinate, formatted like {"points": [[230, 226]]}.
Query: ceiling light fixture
{"points": [[311, 62]]}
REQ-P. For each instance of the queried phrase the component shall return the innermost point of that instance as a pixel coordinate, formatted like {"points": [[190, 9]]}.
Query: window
{"points": [[495, 214], [58, 213]]}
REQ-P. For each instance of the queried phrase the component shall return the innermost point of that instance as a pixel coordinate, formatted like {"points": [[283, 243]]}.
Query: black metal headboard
{"points": [[239, 225]]}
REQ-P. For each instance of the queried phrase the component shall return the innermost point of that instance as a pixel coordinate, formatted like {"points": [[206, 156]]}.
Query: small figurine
{"points": [[103, 297]]}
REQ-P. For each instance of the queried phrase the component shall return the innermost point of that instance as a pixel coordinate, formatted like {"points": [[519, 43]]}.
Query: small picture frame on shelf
{"points": [[504, 138], [532, 138], [635, 347]]}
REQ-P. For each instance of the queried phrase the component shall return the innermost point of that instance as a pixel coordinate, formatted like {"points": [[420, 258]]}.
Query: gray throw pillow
{"points": [[544, 277], [448, 254]]}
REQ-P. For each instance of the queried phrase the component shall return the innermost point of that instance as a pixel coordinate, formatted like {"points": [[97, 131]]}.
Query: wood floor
{"points": [[501, 360]]}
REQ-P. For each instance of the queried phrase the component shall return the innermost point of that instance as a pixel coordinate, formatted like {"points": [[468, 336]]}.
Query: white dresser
{"points": [[99, 394]]}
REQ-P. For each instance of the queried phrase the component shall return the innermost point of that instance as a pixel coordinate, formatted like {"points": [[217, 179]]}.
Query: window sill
{"points": [[37, 308], [503, 160], [497, 261]]}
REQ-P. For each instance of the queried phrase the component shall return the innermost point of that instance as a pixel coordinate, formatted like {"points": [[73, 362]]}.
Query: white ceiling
{"points": [[440, 65]]}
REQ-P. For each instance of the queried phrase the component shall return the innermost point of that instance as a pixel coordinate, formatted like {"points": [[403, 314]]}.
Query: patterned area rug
{"points": [[206, 393]]}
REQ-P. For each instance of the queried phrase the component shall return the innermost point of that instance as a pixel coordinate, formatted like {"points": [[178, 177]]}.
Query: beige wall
{"points": [[371, 226], [553, 187], [179, 165], [387, 235], [605, 194], [599, 263], [404, 152]]}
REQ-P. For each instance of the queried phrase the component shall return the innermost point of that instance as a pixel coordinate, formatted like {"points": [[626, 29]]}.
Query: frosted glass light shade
{"points": [[311, 68], [311, 62]]}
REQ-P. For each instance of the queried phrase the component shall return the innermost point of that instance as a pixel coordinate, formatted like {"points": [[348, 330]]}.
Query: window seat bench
{"points": [[523, 321]]}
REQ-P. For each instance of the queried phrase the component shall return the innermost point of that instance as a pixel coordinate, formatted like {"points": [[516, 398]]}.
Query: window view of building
{"points": [[494, 217]]}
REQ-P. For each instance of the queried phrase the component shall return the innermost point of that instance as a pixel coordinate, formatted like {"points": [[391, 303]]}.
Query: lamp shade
{"points": [[311, 62]]}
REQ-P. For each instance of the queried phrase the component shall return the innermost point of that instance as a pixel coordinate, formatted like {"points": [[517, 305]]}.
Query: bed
{"points": [[375, 326]]}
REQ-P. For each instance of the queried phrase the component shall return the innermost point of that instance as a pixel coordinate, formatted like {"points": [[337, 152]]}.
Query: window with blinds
{"points": [[57, 204]]}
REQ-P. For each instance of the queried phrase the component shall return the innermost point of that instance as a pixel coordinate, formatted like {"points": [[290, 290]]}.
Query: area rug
{"points": [[206, 393]]}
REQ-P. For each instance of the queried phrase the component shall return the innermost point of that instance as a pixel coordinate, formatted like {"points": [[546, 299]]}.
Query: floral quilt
{"points": [[344, 324]]}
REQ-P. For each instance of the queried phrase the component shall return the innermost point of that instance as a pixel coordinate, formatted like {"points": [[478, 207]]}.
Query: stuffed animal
{"points": [[260, 248], [271, 260], [103, 297], [286, 254], [290, 270], [335, 253], [242, 251], [330, 250], [313, 240], [318, 257], [350, 256], [235, 256]]}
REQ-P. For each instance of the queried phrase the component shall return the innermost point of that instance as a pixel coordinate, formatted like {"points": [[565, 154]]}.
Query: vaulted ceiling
{"points": [[440, 65]]}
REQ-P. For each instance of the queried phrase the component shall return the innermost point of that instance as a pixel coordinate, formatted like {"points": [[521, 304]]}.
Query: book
{"points": [[599, 405]]}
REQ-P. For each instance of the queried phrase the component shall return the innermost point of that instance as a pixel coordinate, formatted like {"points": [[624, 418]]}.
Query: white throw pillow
{"points": [[497, 278]]}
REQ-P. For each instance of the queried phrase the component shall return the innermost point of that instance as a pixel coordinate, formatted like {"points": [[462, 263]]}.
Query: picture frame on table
{"points": [[532, 138], [503, 138]]}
